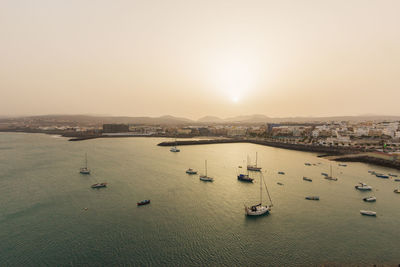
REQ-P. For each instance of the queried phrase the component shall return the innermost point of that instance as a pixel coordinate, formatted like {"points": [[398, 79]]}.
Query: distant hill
{"points": [[171, 120]]}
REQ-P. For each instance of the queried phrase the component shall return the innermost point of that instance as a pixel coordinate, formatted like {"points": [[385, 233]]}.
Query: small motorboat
{"points": [[324, 174], [342, 165], [393, 175], [363, 187], [382, 176], [206, 178], [307, 164], [283, 173], [99, 185], [312, 198], [245, 178], [368, 212], [397, 191], [307, 179], [143, 202], [278, 183], [369, 199], [397, 180], [175, 149], [191, 171]]}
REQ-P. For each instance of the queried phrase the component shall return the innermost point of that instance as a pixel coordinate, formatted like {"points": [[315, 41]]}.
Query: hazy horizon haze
{"points": [[197, 58]]}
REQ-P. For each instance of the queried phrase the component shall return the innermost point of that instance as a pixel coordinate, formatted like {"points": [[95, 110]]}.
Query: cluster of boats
{"points": [[86, 171]]}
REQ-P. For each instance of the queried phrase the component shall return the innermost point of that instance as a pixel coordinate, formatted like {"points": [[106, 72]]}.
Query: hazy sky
{"points": [[196, 58]]}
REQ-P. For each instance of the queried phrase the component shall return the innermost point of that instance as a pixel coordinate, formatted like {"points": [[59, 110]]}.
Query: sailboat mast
{"points": [[331, 170], [261, 188], [86, 160], [256, 159], [206, 166]]}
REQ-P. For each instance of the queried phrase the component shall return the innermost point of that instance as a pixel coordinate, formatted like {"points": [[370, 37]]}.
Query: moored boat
{"points": [[342, 165], [382, 176], [369, 199], [85, 170], [279, 183], [259, 209], [330, 177], [397, 191], [397, 180], [143, 202], [312, 197], [324, 174], [253, 168], [99, 185], [363, 187], [307, 164], [283, 173], [368, 212], [191, 171], [245, 178], [307, 179], [205, 178], [393, 175]]}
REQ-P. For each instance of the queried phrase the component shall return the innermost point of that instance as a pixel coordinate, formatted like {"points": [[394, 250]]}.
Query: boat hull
{"points": [[368, 213], [144, 202], [258, 211]]}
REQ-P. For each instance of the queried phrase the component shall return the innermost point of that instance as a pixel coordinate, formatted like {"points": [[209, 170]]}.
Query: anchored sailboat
{"points": [[259, 209], [330, 177], [175, 149], [85, 169], [253, 167], [205, 178]]}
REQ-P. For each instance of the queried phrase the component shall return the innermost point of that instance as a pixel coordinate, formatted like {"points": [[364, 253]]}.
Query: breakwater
{"points": [[299, 147]]}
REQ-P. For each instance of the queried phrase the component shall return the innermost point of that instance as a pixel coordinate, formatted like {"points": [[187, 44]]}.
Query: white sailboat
{"points": [[174, 148], [330, 177], [205, 178], [259, 209], [85, 169], [253, 167]]}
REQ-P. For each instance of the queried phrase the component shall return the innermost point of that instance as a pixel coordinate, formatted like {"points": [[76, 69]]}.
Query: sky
{"points": [[194, 58]]}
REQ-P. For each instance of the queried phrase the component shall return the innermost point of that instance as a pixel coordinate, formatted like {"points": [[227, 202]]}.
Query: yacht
{"points": [[253, 167], [330, 177], [206, 178], [174, 148], [245, 178], [191, 171], [368, 212], [85, 170], [259, 209], [363, 187]]}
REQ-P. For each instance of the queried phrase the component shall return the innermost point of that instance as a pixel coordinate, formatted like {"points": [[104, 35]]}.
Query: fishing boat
{"points": [[205, 178], [85, 170], [369, 199], [312, 198], [245, 178], [174, 148], [191, 171], [143, 202], [253, 167], [259, 209], [283, 173], [330, 177], [307, 179], [397, 191], [99, 185], [363, 187], [368, 212]]}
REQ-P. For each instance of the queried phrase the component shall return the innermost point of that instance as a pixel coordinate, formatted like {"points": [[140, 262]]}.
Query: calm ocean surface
{"points": [[189, 222]]}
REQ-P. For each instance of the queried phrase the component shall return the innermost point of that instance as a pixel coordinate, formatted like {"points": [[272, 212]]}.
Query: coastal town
{"points": [[365, 135]]}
